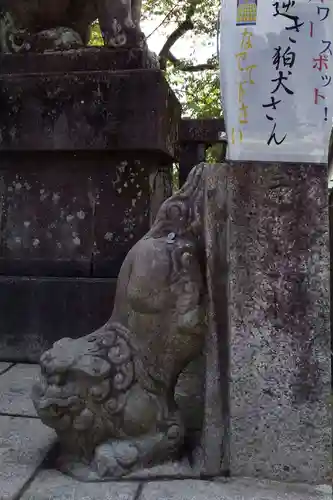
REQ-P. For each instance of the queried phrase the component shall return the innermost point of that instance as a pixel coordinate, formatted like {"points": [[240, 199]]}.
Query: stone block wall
{"points": [[87, 143]]}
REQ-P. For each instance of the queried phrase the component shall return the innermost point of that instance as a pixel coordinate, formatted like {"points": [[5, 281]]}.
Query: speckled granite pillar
{"points": [[279, 322]]}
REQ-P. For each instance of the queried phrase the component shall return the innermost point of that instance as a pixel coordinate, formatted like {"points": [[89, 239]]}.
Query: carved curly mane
{"points": [[83, 411]]}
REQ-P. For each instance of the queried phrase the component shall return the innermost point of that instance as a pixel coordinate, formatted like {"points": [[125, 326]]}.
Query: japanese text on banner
{"points": [[246, 79], [276, 84], [322, 61]]}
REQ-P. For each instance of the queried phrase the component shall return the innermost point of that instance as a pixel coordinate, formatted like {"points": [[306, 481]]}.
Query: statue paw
{"points": [[115, 458]]}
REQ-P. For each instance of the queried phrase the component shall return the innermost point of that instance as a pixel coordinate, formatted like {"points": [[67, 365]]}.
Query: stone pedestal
{"points": [[280, 424], [87, 141]]}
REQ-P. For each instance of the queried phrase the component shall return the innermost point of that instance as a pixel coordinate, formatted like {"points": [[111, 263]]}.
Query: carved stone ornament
{"points": [[46, 25], [110, 395]]}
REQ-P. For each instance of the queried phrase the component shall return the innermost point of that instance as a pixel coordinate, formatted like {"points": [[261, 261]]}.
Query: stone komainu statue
{"points": [[39, 25], [110, 395]]}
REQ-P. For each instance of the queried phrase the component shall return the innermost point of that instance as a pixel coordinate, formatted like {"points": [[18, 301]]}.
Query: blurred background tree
{"points": [[184, 35]]}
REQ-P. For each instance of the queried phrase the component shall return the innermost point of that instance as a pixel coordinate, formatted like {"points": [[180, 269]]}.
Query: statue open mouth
{"points": [[55, 406]]}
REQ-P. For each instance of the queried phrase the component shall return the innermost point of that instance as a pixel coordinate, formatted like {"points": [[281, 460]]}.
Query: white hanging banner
{"points": [[276, 79]]}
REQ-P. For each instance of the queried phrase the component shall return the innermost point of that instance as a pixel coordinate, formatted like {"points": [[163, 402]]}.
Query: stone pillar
{"points": [[87, 142], [280, 423]]}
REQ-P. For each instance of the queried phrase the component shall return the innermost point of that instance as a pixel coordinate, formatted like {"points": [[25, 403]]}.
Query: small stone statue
{"points": [[110, 395], [46, 25]]}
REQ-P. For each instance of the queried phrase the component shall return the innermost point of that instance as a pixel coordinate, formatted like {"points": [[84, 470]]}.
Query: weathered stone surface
{"points": [[54, 485], [190, 154], [88, 59], [73, 222], [202, 131], [47, 218], [280, 422], [160, 189], [92, 111], [122, 214], [15, 390], [4, 366], [75, 208], [195, 136], [63, 25], [110, 395], [237, 489], [60, 214], [175, 469], [35, 312], [50, 229], [275, 291], [172, 470], [215, 457], [189, 396], [24, 443]]}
